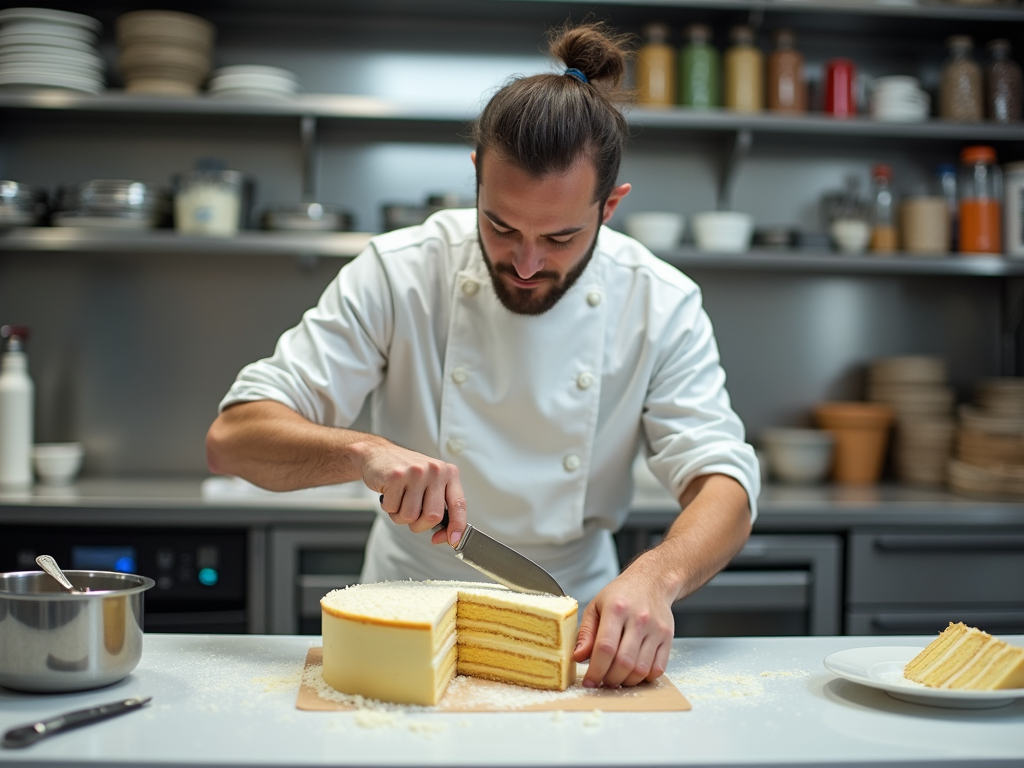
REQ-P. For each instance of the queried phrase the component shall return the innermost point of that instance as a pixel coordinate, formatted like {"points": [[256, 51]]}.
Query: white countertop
{"points": [[230, 700]]}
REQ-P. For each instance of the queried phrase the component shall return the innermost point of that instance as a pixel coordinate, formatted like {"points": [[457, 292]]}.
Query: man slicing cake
{"points": [[516, 357]]}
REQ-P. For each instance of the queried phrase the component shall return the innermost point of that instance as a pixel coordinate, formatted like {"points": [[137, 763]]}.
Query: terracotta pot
{"points": [[862, 434]]}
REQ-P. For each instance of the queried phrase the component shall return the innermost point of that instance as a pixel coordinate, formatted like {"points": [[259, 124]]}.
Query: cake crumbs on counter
{"points": [[375, 718], [593, 719], [558, 716], [708, 683]]}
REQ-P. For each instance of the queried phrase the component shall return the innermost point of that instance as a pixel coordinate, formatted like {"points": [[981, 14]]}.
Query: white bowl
{"points": [[57, 463], [723, 231], [850, 235], [801, 456], [658, 231]]}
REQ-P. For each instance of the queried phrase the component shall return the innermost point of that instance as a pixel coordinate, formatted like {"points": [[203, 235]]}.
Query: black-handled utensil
{"points": [[500, 562], [24, 735]]}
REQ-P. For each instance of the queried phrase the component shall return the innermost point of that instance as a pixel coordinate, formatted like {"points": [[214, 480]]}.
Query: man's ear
{"points": [[614, 198]]}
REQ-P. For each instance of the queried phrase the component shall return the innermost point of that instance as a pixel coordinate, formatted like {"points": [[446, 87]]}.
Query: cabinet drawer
{"points": [[932, 622], [947, 568]]}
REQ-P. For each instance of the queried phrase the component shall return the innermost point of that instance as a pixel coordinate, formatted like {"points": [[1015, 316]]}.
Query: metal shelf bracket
{"points": [[742, 141]]}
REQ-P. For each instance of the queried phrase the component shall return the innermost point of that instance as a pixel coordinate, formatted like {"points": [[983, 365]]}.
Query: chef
{"points": [[516, 357]]}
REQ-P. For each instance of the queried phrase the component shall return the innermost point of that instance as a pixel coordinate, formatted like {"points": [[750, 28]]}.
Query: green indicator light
{"points": [[208, 576]]}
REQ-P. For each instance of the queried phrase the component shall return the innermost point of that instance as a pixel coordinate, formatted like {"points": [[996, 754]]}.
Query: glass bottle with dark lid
{"points": [[699, 69], [1002, 84]]}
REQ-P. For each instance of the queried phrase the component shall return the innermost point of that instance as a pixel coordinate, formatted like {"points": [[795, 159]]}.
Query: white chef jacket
{"points": [[542, 414]]}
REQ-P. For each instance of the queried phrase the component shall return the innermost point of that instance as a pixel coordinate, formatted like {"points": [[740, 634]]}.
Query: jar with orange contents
{"points": [[980, 189]]}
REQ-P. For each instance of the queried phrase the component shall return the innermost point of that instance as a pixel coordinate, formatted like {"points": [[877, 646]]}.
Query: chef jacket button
{"points": [[571, 462], [470, 287], [455, 446], [459, 375], [594, 298], [585, 380]]}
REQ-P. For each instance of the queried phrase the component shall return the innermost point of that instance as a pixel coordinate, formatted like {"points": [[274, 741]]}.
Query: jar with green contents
{"points": [[699, 67]]}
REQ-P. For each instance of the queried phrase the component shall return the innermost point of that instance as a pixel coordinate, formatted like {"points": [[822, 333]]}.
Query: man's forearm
{"points": [[711, 529], [275, 448]]}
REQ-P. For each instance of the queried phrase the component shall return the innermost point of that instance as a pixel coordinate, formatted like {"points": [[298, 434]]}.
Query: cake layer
{"points": [[967, 658], [404, 641]]}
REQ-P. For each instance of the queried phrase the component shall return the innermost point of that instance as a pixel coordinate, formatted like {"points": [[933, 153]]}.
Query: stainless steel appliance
{"points": [[200, 574]]}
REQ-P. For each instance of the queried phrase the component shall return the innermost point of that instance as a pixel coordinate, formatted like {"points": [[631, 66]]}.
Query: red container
{"points": [[839, 77]]}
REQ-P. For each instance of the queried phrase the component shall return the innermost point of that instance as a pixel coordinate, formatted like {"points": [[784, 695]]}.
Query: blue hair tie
{"points": [[573, 72]]}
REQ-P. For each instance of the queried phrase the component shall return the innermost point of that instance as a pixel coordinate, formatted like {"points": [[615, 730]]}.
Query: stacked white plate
{"points": [[253, 82], [42, 48]]}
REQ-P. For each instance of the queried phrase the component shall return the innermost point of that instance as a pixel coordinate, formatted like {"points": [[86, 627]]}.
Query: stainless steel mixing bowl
{"points": [[55, 641]]}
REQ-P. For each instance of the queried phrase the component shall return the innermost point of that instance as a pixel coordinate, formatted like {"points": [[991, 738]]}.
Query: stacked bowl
{"points": [[49, 49], [164, 52], [253, 82], [990, 442], [916, 388], [899, 99]]}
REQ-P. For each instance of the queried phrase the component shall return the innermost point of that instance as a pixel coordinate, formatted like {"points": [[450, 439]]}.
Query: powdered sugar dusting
{"points": [[709, 682]]}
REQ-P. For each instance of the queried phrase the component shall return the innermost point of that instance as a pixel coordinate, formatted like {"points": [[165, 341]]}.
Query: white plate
{"points": [[44, 28], [46, 41], [258, 70], [54, 81], [77, 61], [882, 667], [51, 16]]}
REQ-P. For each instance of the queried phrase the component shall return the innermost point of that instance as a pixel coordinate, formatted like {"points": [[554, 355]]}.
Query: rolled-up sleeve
{"points": [[325, 366], [689, 423]]}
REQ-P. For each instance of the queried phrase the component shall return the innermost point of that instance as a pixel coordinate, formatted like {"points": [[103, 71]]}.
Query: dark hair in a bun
{"points": [[546, 123]]}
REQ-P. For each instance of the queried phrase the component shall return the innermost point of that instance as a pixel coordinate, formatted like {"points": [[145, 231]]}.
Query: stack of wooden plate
{"points": [[915, 388], [164, 52], [40, 48], [990, 442]]}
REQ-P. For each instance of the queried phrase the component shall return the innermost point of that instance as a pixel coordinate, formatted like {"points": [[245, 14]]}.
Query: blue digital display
{"points": [[99, 558], [208, 576]]}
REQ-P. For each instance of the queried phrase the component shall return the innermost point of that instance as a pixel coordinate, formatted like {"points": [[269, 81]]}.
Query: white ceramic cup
{"points": [[57, 463], [658, 231], [723, 231], [850, 235]]}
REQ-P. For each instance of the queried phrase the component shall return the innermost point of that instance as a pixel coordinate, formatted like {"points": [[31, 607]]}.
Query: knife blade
{"points": [[500, 562], [24, 735]]}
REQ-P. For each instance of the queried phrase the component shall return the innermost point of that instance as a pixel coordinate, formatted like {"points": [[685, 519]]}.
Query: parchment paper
{"points": [[467, 695]]}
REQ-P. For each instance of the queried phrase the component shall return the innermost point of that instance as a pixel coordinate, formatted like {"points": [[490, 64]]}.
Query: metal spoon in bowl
{"points": [[49, 565]]}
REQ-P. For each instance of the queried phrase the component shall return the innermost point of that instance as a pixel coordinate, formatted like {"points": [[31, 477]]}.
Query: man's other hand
{"points": [[626, 632]]}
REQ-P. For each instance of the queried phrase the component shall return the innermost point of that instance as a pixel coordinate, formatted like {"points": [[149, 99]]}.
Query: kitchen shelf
{"points": [[768, 260], [364, 108], [350, 244], [246, 243]]}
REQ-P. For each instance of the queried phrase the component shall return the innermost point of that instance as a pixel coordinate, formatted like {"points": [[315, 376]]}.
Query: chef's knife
{"points": [[500, 562], [24, 735]]}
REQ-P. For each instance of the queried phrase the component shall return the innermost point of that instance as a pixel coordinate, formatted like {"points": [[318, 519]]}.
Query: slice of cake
{"points": [[966, 658], [404, 641]]}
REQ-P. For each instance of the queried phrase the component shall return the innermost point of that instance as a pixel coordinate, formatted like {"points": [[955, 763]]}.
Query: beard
{"points": [[534, 301]]}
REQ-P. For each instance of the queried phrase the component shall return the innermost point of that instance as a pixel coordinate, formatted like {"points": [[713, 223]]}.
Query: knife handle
{"points": [[440, 526], [24, 735]]}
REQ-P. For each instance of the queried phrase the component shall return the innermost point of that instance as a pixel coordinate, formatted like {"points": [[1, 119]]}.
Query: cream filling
{"points": [[949, 652], [970, 663], [495, 642], [446, 646]]}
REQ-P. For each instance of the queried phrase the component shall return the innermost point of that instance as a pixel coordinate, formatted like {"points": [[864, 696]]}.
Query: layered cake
{"points": [[966, 658], [404, 641]]}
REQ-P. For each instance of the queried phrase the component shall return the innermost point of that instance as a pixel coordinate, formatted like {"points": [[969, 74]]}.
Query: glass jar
{"points": [[960, 96], [744, 72], [1014, 207], [656, 69], [209, 202], [787, 91], [699, 69], [945, 182], [883, 218], [981, 191], [1002, 84]]}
